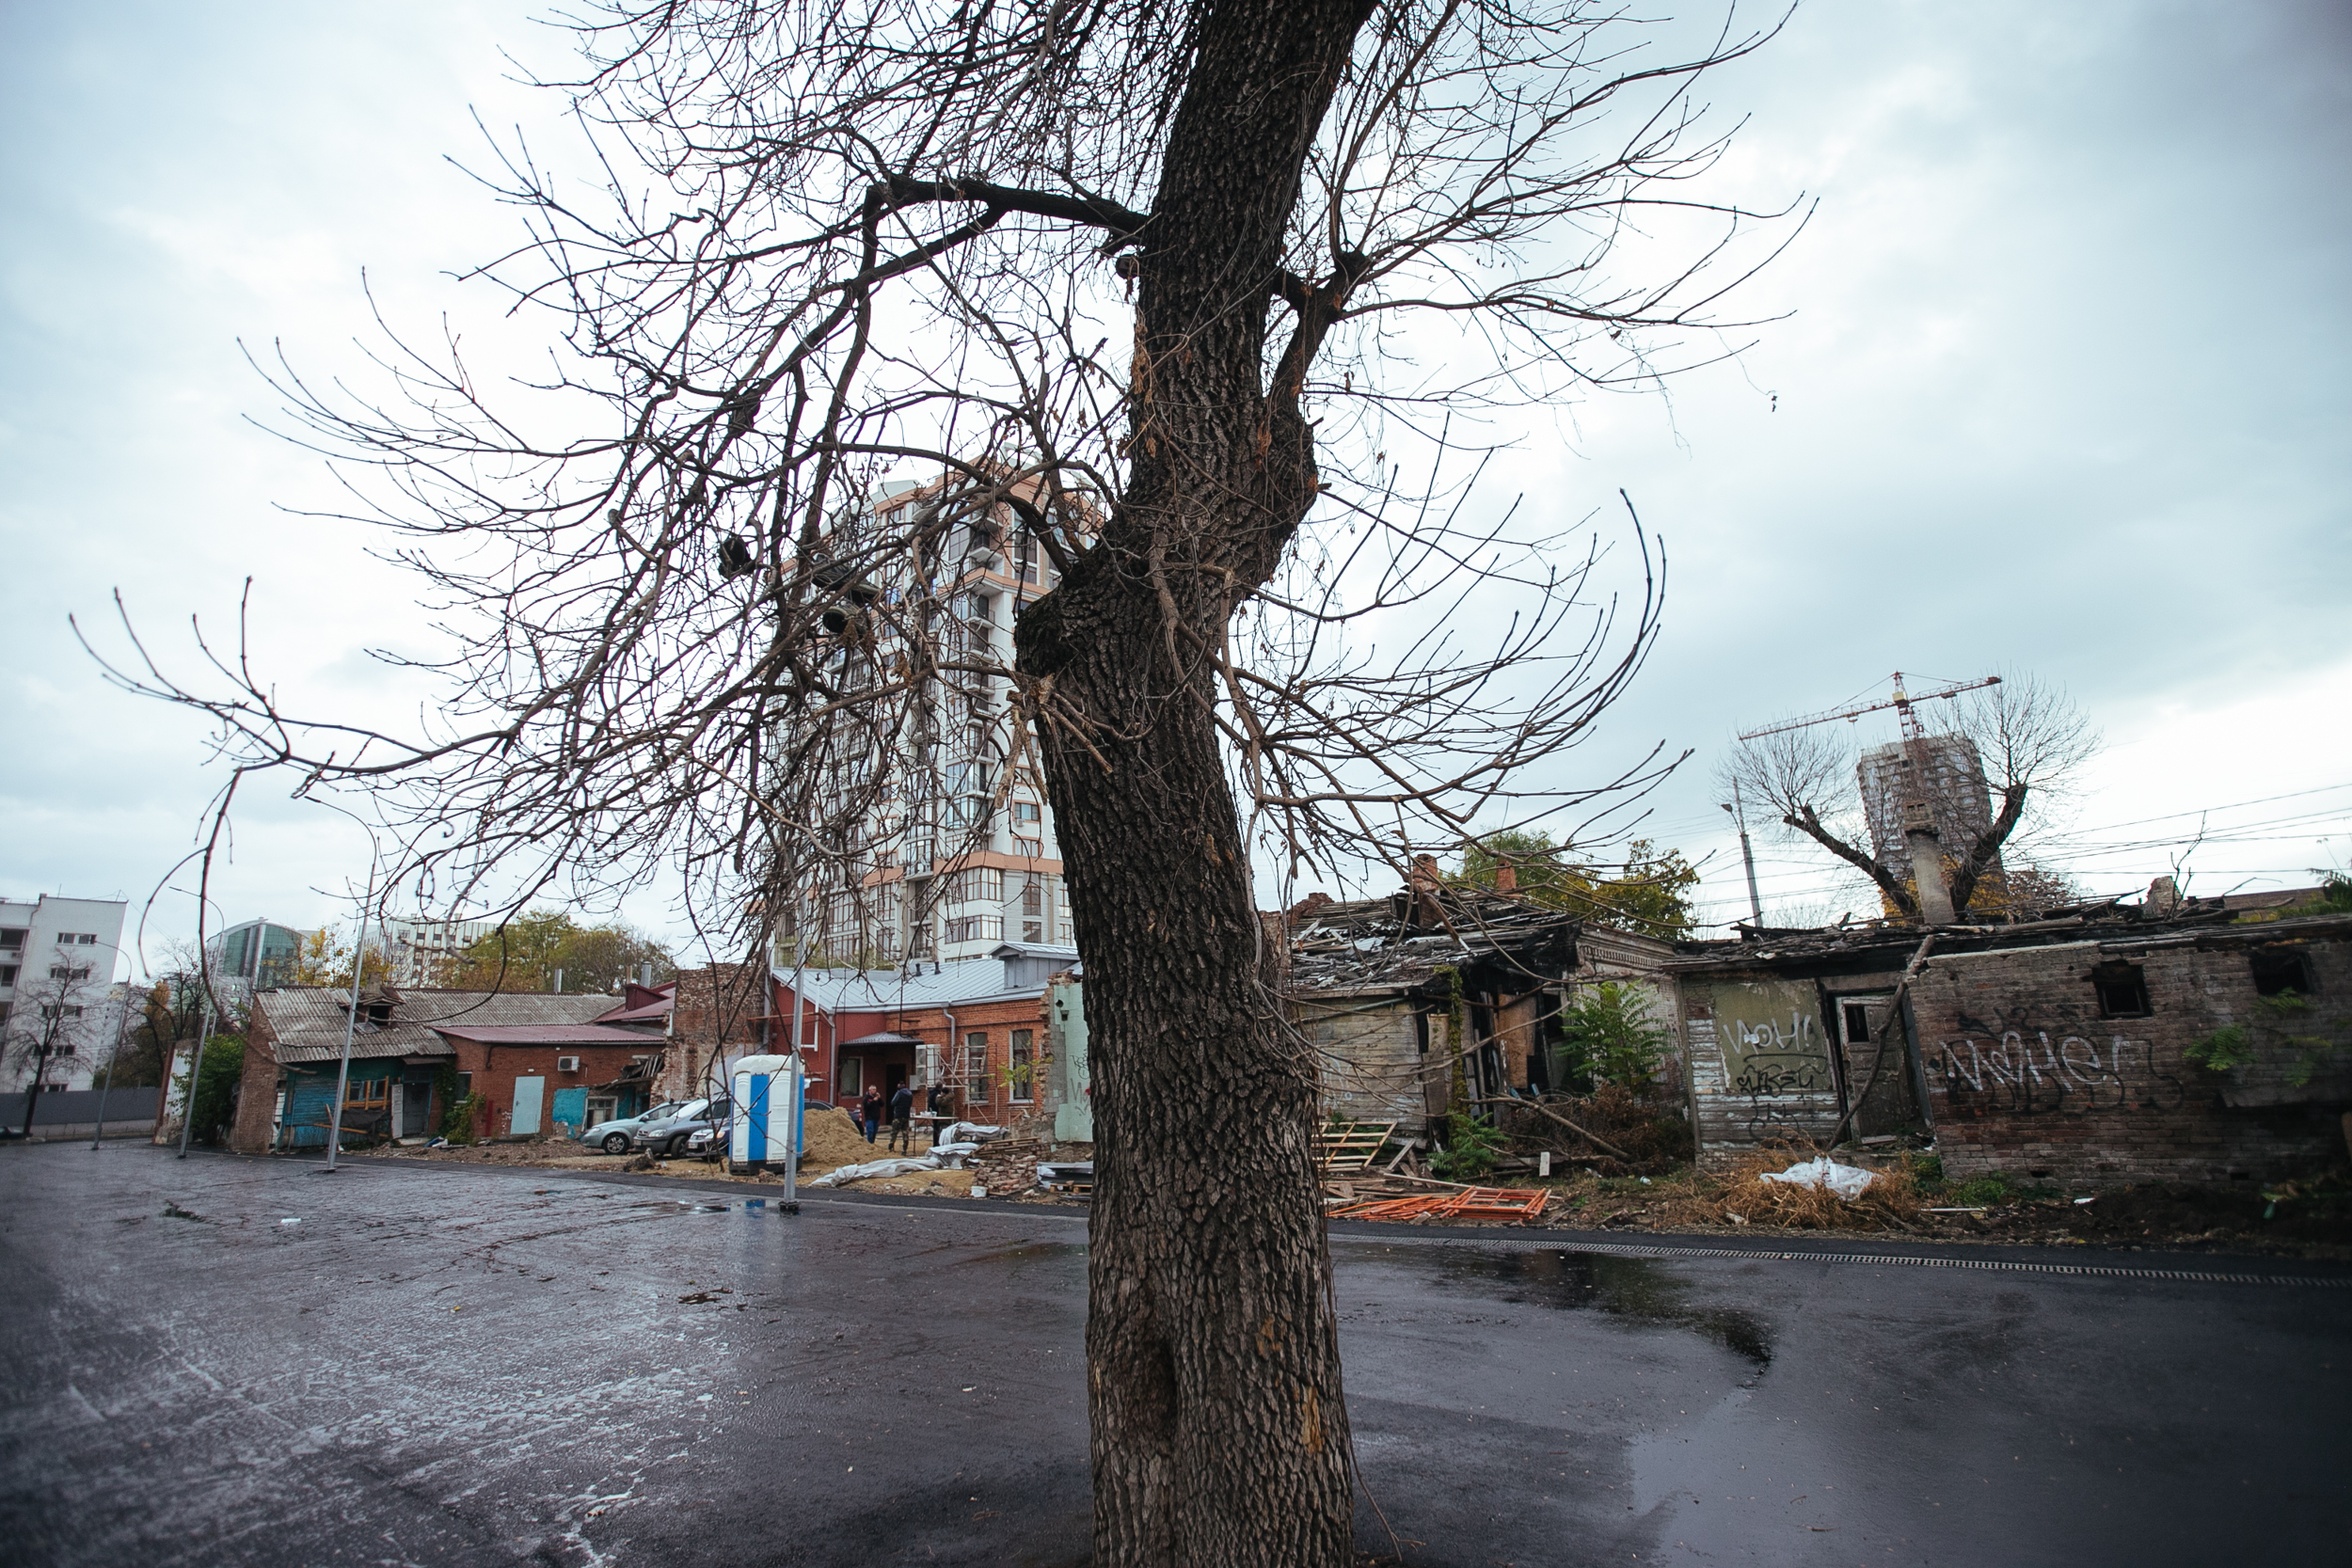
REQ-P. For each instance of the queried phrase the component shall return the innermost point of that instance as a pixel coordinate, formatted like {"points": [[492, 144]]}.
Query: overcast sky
{"points": [[2061, 386]]}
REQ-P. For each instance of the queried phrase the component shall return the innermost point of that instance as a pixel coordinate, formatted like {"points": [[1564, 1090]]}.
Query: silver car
{"points": [[619, 1137], [667, 1135]]}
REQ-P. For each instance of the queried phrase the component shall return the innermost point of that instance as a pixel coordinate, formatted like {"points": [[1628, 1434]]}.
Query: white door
{"points": [[527, 1095]]}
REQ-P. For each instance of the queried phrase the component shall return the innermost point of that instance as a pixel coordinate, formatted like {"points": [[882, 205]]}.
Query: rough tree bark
{"points": [[1213, 1353]]}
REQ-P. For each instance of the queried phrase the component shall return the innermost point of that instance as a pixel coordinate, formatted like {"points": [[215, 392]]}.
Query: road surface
{"points": [[231, 1360]]}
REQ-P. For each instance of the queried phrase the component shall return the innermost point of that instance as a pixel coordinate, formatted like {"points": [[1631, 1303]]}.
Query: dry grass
{"points": [[1740, 1197]]}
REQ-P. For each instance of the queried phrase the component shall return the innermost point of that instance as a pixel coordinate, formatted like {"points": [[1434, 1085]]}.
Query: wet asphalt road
{"points": [[454, 1365]]}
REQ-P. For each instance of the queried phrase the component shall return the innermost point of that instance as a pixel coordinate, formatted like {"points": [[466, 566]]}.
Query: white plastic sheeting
{"points": [[1844, 1181], [945, 1157]]}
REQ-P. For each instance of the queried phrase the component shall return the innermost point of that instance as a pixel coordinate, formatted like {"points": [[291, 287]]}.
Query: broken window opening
{"points": [[2280, 972], [2123, 991]]}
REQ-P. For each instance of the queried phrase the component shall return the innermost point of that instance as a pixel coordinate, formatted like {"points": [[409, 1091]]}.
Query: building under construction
{"points": [[1953, 787]]}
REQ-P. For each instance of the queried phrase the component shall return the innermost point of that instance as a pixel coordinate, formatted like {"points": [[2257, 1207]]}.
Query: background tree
{"points": [[524, 955], [1647, 892], [325, 958], [162, 1015], [2031, 742], [898, 233]]}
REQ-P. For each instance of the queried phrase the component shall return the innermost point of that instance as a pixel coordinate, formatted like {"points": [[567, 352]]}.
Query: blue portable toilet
{"points": [[769, 1127]]}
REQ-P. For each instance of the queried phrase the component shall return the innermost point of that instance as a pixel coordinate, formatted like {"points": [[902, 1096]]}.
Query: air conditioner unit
{"points": [[568, 1064]]}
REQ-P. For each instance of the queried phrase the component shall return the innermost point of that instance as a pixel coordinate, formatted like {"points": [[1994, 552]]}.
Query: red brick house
{"points": [[976, 1025]]}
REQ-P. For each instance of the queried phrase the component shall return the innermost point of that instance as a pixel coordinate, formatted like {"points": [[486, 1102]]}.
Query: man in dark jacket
{"points": [[870, 1111], [941, 1106], [902, 1119]]}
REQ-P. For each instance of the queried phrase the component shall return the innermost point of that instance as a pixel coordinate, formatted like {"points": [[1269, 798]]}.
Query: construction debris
{"points": [[1523, 1205], [1351, 1145]]}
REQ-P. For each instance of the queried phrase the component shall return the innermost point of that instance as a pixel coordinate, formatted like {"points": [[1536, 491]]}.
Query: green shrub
{"points": [[457, 1121], [1926, 1169], [2232, 1045], [1610, 1035], [1471, 1149]]}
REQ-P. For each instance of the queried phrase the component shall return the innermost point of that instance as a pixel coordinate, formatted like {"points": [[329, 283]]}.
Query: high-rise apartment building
{"points": [[930, 835], [1954, 788]]}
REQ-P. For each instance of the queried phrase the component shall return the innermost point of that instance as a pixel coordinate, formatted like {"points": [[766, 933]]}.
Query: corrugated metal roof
{"points": [[553, 1033], [307, 1021]]}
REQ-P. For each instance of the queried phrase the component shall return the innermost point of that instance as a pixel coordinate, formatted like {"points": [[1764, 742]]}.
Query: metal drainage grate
{"points": [[1996, 1266]]}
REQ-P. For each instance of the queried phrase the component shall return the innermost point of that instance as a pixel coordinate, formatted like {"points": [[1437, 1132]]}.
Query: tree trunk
{"points": [[1219, 1432]]}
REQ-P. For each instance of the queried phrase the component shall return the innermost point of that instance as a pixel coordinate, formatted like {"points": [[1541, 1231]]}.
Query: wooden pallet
{"points": [[1521, 1204], [1344, 1146]]}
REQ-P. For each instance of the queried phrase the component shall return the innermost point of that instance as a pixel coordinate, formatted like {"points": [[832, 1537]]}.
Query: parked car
{"points": [[619, 1135], [668, 1135], [710, 1143]]}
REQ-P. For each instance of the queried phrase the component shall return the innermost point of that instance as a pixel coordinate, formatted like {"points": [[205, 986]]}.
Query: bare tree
{"points": [[899, 234], [2022, 742], [58, 1018]]}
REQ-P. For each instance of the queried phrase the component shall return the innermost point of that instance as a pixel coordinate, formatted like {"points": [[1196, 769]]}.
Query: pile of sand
{"points": [[829, 1139]]}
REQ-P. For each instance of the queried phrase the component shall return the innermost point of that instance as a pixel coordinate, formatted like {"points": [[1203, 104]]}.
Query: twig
{"points": [[1544, 1109]]}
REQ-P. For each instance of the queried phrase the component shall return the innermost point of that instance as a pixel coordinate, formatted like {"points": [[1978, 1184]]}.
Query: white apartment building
{"points": [[60, 954], [414, 948], [946, 850]]}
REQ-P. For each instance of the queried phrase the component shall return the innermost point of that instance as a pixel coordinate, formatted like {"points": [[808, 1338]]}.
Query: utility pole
{"points": [[351, 1025], [1747, 854], [196, 1063]]}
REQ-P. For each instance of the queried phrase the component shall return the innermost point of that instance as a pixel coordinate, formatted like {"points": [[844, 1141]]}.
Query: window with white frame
{"points": [[976, 927]]}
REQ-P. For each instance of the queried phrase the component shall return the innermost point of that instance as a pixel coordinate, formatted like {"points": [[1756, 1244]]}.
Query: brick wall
{"points": [[2028, 1074]]}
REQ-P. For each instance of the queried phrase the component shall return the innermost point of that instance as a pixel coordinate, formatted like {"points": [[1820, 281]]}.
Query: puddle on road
{"points": [[1631, 1289]]}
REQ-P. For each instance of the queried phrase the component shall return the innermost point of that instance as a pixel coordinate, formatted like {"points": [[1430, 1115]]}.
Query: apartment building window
{"points": [[8, 974], [13, 938], [53, 1009], [1023, 1072], [920, 942], [976, 927], [1032, 909], [72, 939], [1063, 926], [68, 972], [980, 884]]}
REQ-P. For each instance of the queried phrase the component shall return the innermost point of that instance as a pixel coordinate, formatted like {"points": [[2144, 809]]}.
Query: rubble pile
{"points": [[1008, 1166]]}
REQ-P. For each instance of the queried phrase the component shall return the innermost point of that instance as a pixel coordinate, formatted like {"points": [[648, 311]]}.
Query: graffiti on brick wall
{"points": [[2073, 1075]]}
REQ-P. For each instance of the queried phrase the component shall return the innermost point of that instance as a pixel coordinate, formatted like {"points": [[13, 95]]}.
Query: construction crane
{"points": [[1917, 811], [1903, 702]]}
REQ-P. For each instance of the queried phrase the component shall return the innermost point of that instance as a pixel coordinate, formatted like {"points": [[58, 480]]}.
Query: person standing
{"points": [[871, 1111], [941, 1104], [902, 1118]]}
